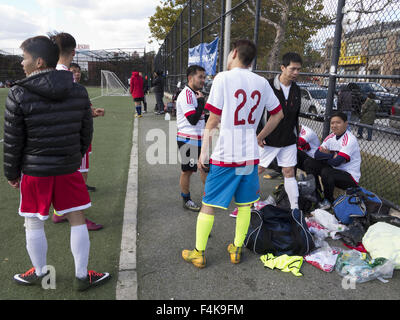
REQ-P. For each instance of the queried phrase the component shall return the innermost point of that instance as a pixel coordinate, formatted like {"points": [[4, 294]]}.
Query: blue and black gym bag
{"points": [[278, 231], [358, 202]]}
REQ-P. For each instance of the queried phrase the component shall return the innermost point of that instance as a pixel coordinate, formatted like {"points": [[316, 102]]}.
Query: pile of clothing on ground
{"points": [[363, 223]]}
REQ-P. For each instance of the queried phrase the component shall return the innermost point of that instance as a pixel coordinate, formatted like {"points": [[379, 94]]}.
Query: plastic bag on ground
{"points": [[328, 221], [357, 265], [383, 240], [323, 258]]}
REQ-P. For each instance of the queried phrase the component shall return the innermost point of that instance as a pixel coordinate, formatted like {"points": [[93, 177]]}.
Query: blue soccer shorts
{"points": [[224, 183]]}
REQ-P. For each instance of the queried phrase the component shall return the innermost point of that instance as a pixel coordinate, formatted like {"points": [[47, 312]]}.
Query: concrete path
{"points": [[164, 229]]}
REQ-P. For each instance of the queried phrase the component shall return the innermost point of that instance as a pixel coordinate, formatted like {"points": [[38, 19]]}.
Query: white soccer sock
{"points": [[80, 246], [36, 244], [292, 191]]}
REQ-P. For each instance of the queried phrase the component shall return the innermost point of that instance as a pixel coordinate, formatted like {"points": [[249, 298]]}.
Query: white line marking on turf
{"points": [[91, 99], [127, 275]]}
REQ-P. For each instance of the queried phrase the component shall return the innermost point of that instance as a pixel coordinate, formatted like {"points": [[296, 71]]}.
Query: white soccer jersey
{"points": [[239, 96], [186, 105], [308, 141], [61, 67], [347, 147]]}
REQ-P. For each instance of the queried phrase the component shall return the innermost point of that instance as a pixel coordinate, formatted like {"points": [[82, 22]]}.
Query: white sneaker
{"points": [[325, 204]]}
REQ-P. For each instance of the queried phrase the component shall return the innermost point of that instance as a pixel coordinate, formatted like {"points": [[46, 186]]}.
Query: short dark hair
{"points": [[246, 49], [42, 47], [74, 65], [289, 57], [66, 43], [192, 70], [339, 114]]}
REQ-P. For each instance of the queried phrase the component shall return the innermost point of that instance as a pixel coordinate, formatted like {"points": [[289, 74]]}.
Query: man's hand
{"points": [[260, 141], [199, 94], [98, 112], [324, 150], [202, 161], [14, 183]]}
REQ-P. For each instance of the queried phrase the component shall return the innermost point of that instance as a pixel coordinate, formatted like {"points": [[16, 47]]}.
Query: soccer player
{"points": [[281, 143], [67, 44], [190, 122], [42, 163], [96, 112], [307, 143], [337, 160], [236, 101], [136, 90]]}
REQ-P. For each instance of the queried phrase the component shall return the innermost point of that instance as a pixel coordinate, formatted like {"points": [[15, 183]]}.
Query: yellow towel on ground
{"points": [[284, 263]]}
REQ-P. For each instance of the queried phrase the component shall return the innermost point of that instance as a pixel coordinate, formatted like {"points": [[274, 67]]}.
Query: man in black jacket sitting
{"points": [[48, 127], [281, 143]]}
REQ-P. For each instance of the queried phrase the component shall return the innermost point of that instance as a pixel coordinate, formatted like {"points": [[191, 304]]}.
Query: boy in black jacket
{"points": [[281, 143], [48, 127]]}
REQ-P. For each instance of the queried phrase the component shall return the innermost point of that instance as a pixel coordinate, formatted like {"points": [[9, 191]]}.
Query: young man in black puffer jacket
{"points": [[48, 127]]}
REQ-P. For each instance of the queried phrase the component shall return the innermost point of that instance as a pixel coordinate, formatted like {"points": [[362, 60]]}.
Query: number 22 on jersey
{"points": [[241, 94]]}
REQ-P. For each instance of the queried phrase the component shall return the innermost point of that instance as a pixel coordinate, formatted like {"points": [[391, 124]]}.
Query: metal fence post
{"points": [[256, 29], [189, 23], [227, 32], [221, 38], [202, 22], [180, 48], [334, 64]]}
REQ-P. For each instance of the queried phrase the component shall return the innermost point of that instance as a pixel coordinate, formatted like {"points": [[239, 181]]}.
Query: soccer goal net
{"points": [[111, 85]]}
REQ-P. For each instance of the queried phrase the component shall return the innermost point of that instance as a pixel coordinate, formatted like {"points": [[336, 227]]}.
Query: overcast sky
{"points": [[102, 24]]}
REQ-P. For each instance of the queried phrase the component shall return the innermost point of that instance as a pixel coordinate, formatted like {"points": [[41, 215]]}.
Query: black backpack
{"points": [[278, 231]]}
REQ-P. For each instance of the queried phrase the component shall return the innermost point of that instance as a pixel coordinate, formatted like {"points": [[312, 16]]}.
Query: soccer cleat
{"points": [[234, 213], [92, 226], [235, 253], [29, 277], [197, 258], [191, 205], [93, 279], [90, 188]]}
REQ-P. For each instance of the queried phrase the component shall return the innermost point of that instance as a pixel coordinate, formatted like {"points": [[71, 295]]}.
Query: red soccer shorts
{"points": [[67, 193]]}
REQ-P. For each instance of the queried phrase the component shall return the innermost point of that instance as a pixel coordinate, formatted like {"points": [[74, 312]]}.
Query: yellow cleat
{"points": [[197, 258], [235, 253]]}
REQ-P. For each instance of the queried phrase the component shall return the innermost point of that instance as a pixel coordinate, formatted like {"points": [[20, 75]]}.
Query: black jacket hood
{"points": [[54, 85]]}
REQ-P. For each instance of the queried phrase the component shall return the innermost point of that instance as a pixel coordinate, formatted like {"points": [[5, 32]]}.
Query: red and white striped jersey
{"points": [[186, 104], [239, 96], [347, 147]]}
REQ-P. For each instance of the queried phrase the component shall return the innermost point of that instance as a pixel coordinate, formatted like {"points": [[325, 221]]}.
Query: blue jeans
{"points": [[361, 130]]}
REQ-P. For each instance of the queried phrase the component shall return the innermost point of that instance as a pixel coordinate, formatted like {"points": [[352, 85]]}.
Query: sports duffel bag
{"points": [[278, 231], [357, 202]]}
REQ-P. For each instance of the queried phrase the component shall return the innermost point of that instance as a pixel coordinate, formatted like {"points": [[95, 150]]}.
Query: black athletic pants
{"points": [[159, 101], [330, 177]]}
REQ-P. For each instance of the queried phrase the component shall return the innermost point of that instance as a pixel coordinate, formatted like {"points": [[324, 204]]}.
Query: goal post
{"points": [[111, 85]]}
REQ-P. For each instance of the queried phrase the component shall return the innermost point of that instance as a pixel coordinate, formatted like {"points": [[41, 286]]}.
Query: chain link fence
{"points": [[351, 44]]}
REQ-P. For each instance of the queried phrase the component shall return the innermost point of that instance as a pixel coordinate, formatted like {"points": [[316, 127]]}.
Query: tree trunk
{"points": [[273, 56]]}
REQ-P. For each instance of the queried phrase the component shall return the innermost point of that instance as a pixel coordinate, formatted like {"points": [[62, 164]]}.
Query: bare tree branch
{"points": [[263, 19]]}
